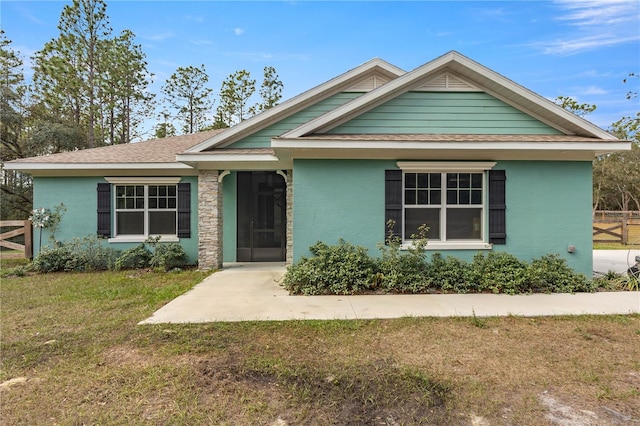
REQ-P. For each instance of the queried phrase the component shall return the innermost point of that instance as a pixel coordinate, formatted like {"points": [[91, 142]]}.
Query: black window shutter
{"points": [[393, 201], [497, 207], [104, 209], [184, 210]]}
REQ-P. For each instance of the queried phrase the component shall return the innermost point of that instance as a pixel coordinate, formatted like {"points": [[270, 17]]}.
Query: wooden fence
{"points": [[15, 249], [616, 227]]}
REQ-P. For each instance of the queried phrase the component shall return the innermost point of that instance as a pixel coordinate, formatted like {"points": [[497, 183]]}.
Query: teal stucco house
{"points": [[484, 162]]}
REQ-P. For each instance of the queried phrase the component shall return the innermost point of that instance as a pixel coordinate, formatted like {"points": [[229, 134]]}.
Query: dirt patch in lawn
{"points": [[377, 392]]}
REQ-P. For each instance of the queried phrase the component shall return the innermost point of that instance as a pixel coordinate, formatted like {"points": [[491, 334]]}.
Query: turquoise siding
{"points": [[262, 138], [230, 218], [79, 196], [444, 112], [548, 207]]}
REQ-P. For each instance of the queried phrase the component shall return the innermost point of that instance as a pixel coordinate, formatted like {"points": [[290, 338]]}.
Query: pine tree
{"points": [[186, 91]]}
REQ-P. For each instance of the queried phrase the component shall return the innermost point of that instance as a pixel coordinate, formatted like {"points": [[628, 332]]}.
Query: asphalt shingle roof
{"points": [[152, 151]]}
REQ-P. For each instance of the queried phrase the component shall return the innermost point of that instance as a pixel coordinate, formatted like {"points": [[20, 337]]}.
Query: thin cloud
{"points": [[584, 13], [599, 24], [581, 44], [158, 36], [193, 18], [238, 31], [594, 90]]}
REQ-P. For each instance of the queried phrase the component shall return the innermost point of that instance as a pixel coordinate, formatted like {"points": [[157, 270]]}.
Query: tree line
{"points": [[91, 88]]}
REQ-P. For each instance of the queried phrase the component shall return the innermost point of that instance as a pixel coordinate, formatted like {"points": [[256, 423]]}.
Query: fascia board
{"points": [[295, 104], [310, 144], [95, 166]]}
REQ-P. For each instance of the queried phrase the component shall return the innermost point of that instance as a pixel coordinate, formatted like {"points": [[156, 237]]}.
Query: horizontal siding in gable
{"points": [[262, 138], [446, 113]]}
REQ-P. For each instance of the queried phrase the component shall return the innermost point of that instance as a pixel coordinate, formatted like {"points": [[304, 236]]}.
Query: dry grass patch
{"points": [[73, 339]]}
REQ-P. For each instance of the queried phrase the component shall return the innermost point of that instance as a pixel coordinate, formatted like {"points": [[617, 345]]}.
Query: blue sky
{"points": [[582, 49]]}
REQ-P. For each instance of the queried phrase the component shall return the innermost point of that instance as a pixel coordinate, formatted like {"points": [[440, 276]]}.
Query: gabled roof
{"points": [[342, 82], [463, 69]]}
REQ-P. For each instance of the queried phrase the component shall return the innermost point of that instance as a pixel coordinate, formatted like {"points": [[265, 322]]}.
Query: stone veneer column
{"points": [[289, 201], [209, 220]]}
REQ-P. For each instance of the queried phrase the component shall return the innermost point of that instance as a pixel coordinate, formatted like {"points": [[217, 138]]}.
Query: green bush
{"points": [[348, 269], [503, 273], [52, 259], [551, 274], [448, 274], [79, 254], [402, 272], [338, 269], [167, 256], [134, 258]]}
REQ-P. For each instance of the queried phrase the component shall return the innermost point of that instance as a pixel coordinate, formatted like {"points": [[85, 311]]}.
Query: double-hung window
{"points": [[143, 208], [146, 210], [449, 198]]}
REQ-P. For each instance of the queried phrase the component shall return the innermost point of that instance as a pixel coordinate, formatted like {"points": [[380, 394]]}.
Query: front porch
{"points": [[256, 226]]}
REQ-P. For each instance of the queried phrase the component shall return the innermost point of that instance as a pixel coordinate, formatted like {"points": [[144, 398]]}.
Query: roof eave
{"points": [[563, 151], [99, 169]]}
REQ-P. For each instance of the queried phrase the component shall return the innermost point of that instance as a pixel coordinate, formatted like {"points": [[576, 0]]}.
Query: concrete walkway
{"points": [[250, 292]]}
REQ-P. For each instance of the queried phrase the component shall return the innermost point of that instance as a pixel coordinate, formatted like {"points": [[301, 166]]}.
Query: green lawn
{"points": [[73, 343]]}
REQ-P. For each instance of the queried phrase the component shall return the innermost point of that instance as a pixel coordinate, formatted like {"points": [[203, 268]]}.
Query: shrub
{"points": [[347, 269], [402, 272], [449, 275], [79, 254], [134, 258], [52, 259], [337, 269], [166, 256], [503, 273], [550, 273]]}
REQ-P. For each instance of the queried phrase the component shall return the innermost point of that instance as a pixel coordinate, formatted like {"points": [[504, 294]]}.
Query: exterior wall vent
{"points": [[447, 82], [369, 83]]}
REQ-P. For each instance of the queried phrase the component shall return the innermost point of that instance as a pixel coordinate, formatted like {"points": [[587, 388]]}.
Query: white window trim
{"points": [[445, 166], [143, 180], [146, 182], [142, 239], [450, 167]]}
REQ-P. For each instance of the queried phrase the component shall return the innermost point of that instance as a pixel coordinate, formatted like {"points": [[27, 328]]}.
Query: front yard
{"points": [[73, 354]]}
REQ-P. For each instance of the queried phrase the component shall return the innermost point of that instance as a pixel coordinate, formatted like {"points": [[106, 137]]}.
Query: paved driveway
{"points": [[613, 260]]}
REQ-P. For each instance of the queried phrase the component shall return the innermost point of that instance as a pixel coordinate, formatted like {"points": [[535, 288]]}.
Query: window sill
{"points": [[462, 245], [142, 239]]}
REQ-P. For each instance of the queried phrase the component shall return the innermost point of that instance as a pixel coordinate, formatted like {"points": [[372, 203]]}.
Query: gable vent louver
{"points": [[447, 82], [369, 83]]}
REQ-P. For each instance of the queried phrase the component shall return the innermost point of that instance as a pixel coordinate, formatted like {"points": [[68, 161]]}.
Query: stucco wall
{"points": [[338, 199], [548, 207], [79, 196]]}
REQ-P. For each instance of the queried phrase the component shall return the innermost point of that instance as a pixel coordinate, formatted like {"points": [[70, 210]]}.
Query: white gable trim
{"points": [[495, 84], [298, 103]]}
